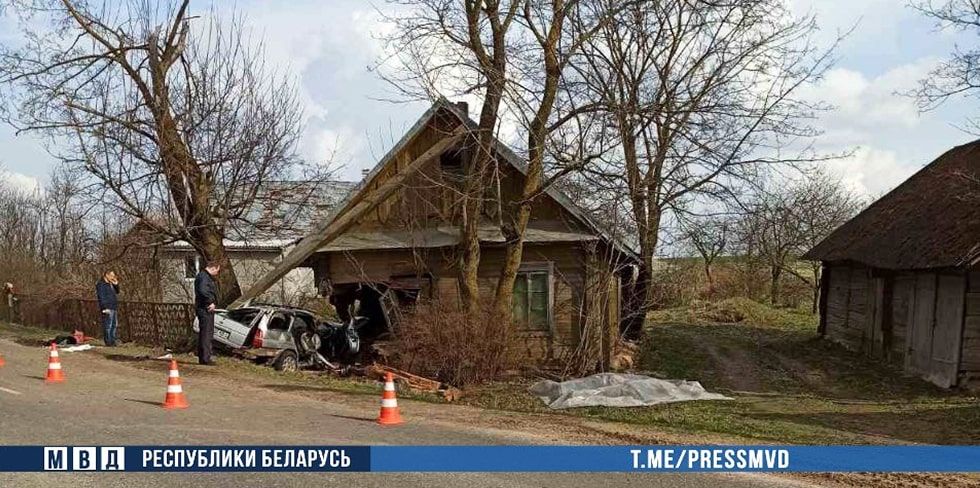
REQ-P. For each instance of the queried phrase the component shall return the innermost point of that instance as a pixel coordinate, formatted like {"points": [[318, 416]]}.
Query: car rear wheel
{"points": [[286, 361]]}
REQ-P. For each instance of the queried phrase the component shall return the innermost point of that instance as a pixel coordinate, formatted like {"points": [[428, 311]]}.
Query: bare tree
{"points": [[785, 220], [48, 242], [174, 117], [557, 31], [701, 96], [514, 53], [709, 235], [959, 75], [461, 47]]}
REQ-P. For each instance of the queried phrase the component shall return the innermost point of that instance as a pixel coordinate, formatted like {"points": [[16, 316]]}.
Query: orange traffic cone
{"points": [[175, 393], [389, 404], [2, 362], [55, 373]]}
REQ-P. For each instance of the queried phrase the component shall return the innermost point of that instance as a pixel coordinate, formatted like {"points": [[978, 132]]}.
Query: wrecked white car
{"points": [[287, 338]]}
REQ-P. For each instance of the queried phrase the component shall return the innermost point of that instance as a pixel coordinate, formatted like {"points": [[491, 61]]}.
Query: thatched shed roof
{"points": [[932, 220]]}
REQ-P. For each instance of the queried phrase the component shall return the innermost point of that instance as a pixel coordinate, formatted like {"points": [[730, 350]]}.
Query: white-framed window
{"points": [[192, 266], [533, 297]]}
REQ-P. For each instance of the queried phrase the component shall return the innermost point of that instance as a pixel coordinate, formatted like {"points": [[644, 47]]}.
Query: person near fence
{"points": [[205, 302], [107, 291], [9, 303]]}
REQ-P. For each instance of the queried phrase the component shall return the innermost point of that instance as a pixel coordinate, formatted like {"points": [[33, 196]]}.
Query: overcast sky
{"points": [[329, 45]]}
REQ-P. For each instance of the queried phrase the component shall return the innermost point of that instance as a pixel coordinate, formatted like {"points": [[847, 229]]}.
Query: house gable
{"points": [[406, 190], [431, 198]]}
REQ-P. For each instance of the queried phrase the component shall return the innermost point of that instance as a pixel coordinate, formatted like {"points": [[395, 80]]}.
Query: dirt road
{"points": [[113, 403]]}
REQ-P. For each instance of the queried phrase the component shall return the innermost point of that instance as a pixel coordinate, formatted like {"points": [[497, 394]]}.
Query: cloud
{"points": [[328, 47], [881, 126], [863, 105], [872, 171], [19, 182]]}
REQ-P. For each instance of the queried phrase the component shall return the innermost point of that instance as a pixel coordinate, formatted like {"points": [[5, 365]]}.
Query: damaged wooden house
{"points": [[901, 281], [394, 241]]}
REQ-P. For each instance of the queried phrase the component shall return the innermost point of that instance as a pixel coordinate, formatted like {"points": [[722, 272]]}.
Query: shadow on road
{"points": [[155, 404], [359, 419], [292, 388], [128, 359]]}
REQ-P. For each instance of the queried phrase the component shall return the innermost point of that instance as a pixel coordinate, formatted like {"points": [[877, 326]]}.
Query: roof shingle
{"points": [[932, 220]]}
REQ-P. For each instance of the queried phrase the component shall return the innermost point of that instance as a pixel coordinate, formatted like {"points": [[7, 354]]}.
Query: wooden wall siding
{"points": [[946, 346], [902, 293], [568, 284], [836, 312], [859, 309], [428, 199], [848, 310], [937, 327], [923, 316], [376, 266], [970, 358], [925, 324], [874, 343], [927, 320]]}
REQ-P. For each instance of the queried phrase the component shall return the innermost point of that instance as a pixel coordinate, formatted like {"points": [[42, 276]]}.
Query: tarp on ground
{"points": [[619, 390]]}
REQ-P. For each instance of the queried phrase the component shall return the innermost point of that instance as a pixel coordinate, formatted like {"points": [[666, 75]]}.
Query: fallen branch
{"points": [[414, 381]]}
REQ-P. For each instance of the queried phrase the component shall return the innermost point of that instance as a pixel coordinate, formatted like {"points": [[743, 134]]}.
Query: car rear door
{"points": [[232, 327], [277, 333]]}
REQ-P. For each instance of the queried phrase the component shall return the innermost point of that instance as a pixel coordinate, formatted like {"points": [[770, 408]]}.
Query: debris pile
{"points": [[413, 382]]}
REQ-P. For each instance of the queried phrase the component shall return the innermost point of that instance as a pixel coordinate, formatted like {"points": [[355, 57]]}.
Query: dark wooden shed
{"points": [[901, 280]]}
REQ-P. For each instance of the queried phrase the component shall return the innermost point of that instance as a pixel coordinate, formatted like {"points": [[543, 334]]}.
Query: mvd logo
{"points": [[84, 458]]}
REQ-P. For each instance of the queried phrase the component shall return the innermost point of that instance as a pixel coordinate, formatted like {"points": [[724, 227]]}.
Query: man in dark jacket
{"points": [[107, 290], [205, 300]]}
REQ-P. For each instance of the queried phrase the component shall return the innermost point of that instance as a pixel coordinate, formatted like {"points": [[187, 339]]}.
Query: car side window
{"points": [[279, 322], [302, 321]]}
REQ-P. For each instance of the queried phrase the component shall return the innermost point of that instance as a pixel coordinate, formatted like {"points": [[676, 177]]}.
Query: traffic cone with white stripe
{"points": [[55, 373], [175, 393], [389, 404]]}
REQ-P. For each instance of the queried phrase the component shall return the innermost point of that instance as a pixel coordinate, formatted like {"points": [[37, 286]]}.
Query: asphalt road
{"points": [[112, 403]]}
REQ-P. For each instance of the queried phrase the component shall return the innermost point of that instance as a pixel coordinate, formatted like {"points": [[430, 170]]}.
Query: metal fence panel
{"points": [[155, 324]]}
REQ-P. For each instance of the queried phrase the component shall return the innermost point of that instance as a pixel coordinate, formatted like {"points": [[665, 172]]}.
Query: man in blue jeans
{"points": [[107, 290]]}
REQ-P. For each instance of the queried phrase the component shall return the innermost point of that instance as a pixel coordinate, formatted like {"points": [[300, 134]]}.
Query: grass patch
{"points": [[789, 386], [792, 386], [736, 311]]}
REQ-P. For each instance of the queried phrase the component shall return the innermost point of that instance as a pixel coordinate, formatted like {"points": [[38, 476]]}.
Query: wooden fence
{"points": [[153, 324]]}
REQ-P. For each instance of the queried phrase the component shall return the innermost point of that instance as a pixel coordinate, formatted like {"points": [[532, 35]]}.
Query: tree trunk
{"points": [[212, 249], [709, 277], [469, 259], [470, 255], [648, 250], [515, 230], [537, 141], [775, 272], [645, 293], [189, 187]]}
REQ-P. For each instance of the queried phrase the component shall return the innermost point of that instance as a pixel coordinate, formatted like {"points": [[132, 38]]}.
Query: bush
{"points": [[441, 341]]}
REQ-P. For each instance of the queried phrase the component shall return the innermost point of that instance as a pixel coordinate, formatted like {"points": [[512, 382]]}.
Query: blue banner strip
{"points": [[675, 459]]}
